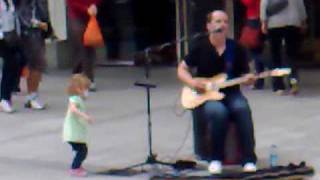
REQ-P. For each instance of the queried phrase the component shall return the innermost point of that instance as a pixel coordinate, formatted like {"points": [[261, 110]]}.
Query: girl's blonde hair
{"points": [[76, 82]]}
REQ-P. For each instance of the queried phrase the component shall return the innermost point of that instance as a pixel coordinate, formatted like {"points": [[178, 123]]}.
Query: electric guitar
{"points": [[191, 99]]}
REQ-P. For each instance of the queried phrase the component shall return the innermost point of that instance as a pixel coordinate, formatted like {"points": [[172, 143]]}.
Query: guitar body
{"points": [[191, 99]]}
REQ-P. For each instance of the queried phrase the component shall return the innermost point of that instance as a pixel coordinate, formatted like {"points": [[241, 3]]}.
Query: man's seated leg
{"points": [[241, 114], [215, 114]]}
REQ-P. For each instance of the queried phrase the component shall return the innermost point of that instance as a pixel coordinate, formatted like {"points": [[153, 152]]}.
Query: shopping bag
{"points": [[250, 37], [92, 36]]}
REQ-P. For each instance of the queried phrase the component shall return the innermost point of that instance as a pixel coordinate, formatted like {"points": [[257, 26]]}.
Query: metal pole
{"points": [[178, 31], [230, 11], [185, 26], [149, 122]]}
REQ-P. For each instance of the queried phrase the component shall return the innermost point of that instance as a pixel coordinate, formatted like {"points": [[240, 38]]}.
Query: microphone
{"points": [[218, 30]]}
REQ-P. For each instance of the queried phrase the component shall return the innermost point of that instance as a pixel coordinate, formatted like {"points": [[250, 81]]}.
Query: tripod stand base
{"points": [[129, 171], [151, 160]]}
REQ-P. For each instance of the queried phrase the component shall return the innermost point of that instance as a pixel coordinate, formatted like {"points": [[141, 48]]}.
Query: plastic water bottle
{"points": [[273, 157]]}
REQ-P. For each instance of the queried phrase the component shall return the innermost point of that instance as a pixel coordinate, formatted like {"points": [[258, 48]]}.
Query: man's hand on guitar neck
{"points": [[250, 79], [199, 84]]}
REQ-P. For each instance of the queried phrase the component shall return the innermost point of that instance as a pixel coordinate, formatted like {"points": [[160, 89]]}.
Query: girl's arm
{"points": [[73, 108]]}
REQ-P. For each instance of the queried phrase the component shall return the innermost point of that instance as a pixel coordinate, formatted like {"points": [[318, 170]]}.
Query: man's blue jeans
{"points": [[216, 114]]}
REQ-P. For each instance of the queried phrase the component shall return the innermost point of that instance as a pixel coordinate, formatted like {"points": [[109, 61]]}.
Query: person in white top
{"points": [[287, 24]]}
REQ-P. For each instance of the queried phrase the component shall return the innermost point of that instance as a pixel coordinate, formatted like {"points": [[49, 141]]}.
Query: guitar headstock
{"points": [[280, 72]]}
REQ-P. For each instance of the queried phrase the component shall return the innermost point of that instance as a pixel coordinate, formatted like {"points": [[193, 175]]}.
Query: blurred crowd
{"points": [[25, 24]]}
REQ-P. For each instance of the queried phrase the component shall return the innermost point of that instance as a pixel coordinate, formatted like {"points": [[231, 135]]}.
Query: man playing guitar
{"points": [[213, 55]]}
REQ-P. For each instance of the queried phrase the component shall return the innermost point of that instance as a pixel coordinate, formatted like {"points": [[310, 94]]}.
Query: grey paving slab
{"points": [[32, 148]]}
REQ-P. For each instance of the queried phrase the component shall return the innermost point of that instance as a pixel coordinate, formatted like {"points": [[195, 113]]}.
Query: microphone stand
{"points": [[151, 157]]}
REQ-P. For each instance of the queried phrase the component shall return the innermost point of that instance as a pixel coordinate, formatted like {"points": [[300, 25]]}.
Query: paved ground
{"points": [[31, 145]]}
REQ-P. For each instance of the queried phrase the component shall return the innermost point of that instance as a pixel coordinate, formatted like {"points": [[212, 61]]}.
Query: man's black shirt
{"points": [[207, 62]]}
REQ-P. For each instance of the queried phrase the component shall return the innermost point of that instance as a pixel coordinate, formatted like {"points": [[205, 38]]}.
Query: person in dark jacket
{"points": [[34, 20]]}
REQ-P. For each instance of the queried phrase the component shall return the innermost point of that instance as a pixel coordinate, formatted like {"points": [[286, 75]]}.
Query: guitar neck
{"points": [[264, 74], [232, 82], [240, 80]]}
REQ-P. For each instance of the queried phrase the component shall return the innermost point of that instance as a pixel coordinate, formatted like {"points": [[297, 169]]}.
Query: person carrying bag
{"points": [[284, 20], [81, 18]]}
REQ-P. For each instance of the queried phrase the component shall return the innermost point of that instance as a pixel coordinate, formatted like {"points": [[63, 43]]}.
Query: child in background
{"points": [[76, 122]]}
